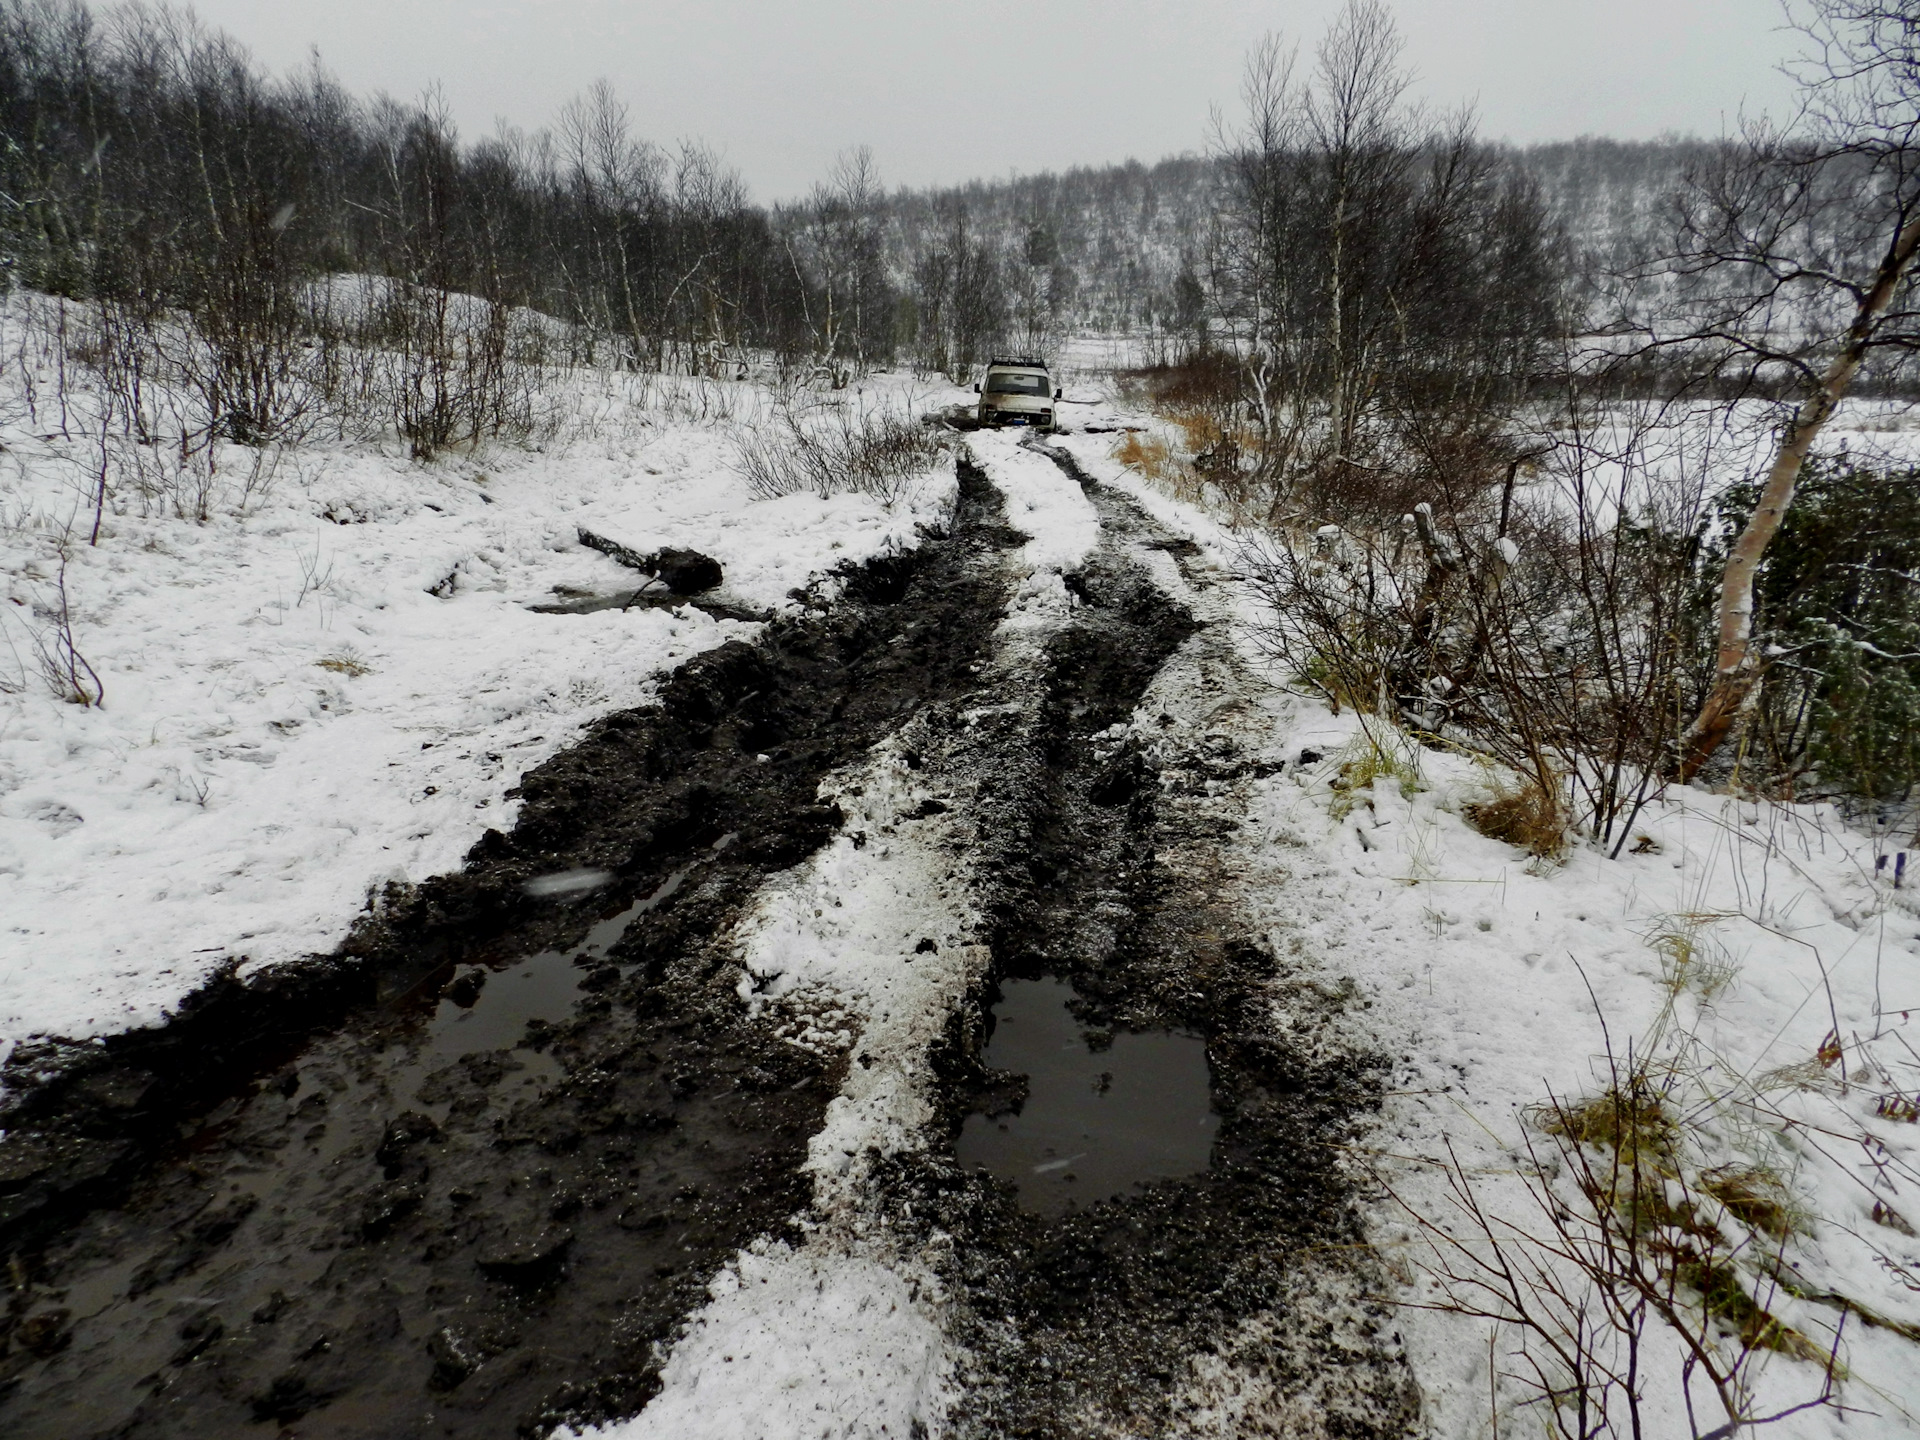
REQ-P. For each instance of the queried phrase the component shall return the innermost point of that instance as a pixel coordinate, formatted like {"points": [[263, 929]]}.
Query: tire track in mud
{"points": [[1072, 819], [358, 1238], [363, 1242], [1235, 1301]]}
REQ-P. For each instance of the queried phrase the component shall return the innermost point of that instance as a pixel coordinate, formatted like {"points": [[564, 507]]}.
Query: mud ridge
{"points": [[282, 1210], [1098, 1322]]}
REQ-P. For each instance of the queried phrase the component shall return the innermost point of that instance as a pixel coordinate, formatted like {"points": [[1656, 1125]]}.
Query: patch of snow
{"points": [[332, 686], [1060, 522], [795, 1345]]}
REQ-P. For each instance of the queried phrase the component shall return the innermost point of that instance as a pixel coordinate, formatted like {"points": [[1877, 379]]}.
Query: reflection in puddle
{"points": [[1095, 1122], [482, 1009], [566, 882]]}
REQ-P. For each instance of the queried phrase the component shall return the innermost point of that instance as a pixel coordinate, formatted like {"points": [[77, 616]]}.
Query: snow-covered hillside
{"points": [[333, 681]]}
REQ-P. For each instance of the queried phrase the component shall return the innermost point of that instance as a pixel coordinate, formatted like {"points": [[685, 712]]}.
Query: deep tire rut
{"points": [[1104, 865], [283, 1212], [208, 1239]]}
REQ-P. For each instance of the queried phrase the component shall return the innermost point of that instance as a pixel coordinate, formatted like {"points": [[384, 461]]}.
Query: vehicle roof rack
{"points": [[1035, 361]]}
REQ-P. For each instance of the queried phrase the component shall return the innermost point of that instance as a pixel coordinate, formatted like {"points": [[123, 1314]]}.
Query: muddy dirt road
{"points": [[471, 1177]]}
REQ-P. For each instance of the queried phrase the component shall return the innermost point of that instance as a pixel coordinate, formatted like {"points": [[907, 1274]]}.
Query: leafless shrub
{"points": [[188, 483], [1621, 1252], [697, 399], [67, 673], [443, 370], [835, 450], [1545, 628]]}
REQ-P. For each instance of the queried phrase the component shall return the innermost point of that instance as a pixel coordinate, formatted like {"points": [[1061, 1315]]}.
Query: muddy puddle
{"points": [[1103, 1112], [482, 1008]]}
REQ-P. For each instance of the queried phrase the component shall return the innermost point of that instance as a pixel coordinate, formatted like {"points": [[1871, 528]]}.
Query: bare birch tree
{"points": [[1797, 260], [1384, 276]]}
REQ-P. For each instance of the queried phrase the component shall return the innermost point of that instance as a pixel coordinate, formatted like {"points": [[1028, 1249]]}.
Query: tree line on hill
{"points": [[146, 157], [1364, 314]]}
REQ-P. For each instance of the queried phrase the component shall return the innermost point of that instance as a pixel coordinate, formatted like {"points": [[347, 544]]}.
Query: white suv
{"points": [[1017, 392]]}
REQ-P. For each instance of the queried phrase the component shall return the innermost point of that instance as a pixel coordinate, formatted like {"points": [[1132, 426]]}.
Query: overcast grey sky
{"points": [[948, 92]]}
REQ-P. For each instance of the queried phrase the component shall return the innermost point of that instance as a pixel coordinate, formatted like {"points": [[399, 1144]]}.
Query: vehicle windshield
{"points": [[1007, 382]]}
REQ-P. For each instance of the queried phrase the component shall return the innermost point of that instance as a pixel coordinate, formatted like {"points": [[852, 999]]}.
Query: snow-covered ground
{"points": [[1759, 955], [331, 683]]}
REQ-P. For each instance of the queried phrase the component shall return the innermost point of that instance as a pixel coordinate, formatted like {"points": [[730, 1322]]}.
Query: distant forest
{"points": [[146, 158]]}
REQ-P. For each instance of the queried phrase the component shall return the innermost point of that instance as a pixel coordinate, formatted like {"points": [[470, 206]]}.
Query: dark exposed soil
{"points": [[1106, 884], [232, 1227], [224, 1224]]}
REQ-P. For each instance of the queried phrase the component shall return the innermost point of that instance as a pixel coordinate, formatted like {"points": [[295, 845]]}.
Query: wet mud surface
{"points": [[421, 1223], [1092, 1319], [537, 1117]]}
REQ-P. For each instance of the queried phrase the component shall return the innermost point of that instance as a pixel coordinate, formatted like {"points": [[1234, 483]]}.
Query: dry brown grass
{"points": [[345, 662], [1526, 814], [1754, 1196], [1153, 458], [1631, 1118]]}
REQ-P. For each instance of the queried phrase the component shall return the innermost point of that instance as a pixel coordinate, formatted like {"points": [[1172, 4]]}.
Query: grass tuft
{"points": [[345, 661], [1634, 1122], [1755, 1196], [1726, 1300], [1525, 814], [1690, 961], [1372, 756], [1153, 458]]}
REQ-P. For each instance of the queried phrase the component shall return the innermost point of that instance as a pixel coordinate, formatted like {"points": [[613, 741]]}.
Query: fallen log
{"points": [[683, 572]]}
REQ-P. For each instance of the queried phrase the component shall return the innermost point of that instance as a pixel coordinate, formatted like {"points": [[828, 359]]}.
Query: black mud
{"points": [[300, 1210], [1090, 1321]]}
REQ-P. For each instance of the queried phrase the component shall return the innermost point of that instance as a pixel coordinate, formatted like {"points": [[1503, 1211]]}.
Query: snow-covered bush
{"points": [[1546, 627]]}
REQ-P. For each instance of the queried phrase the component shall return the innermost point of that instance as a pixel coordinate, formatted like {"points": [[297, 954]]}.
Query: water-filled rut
{"points": [[1100, 1112]]}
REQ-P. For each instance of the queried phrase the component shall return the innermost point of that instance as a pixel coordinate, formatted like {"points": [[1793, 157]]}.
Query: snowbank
{"points": [[1494, 982], [333, 685]]}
